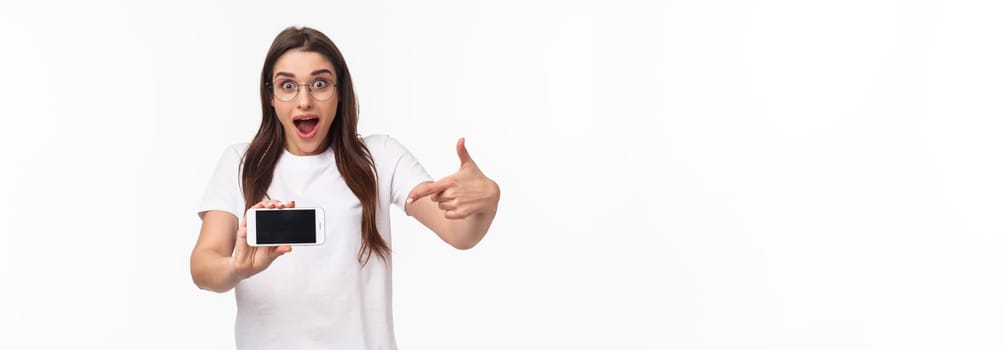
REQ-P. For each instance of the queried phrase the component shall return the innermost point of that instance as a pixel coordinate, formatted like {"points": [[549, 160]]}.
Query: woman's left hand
{"points": [[464, 193]]}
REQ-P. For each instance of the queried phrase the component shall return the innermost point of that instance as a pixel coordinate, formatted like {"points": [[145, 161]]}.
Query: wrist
{"points": [[233, 275]]}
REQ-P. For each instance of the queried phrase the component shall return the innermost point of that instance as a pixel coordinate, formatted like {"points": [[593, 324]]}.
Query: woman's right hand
{"points": [[248, 260]]}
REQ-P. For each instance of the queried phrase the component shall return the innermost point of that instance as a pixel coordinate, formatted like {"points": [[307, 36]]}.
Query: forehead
{"points": [[301, 63]]}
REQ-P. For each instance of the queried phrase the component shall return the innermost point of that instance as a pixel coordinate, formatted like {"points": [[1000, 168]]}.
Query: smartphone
{"points": [[292, 226]]}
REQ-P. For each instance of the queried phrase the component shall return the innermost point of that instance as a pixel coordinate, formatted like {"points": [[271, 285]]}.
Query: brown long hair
{"points": [[353, 159]]}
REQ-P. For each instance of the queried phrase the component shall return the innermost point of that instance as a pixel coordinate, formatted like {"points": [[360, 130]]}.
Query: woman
{"points": [[307, 152]]}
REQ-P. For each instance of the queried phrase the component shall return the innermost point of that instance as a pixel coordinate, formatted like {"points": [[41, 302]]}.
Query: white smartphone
{"points": [[292, 226]]}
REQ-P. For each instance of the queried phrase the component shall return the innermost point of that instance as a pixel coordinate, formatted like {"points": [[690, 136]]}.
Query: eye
{"points": [[287, 85], [320, 84]]}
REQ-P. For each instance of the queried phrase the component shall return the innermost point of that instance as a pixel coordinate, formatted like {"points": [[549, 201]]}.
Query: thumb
{"points": [[241, 243], [278, 251], [242, 238], [426, 189], [462, 153]]}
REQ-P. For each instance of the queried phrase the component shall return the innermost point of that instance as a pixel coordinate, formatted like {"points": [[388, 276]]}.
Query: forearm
{"points": [[214, 272], [467, 232]]}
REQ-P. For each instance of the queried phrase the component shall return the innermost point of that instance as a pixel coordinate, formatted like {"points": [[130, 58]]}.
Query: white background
{"points": [[675, 175]]}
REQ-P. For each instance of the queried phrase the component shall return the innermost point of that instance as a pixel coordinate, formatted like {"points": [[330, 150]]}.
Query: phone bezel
{"points": [[252, 234]]}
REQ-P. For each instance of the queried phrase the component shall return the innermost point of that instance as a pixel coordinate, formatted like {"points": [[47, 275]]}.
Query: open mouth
{"points": [[306, 125]]}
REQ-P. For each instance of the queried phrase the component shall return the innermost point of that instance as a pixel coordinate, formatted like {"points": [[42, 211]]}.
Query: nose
{"points": [[304, 97]]}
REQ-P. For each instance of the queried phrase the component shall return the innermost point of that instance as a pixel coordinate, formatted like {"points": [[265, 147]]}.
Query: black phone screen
{"points": [[285, 226]]}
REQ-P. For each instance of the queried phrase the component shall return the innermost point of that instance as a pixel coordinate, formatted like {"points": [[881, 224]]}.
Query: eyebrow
{"points": [[316, 72], [322, 70]]}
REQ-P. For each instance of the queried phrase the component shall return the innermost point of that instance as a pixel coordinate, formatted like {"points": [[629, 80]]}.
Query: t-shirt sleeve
{"points": [[406, 174], [224, 189]]}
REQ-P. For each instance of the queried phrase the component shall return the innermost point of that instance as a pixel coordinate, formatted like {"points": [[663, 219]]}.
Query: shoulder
{"points": [[232, 156], [378, 140], [235, 151], [383, 146]]}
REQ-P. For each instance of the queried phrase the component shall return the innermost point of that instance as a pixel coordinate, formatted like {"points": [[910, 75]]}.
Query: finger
{"points": [[444, 196], [447, 205], [425, 189], [291, 204], [455, 214], [462, 153], [278, 251], [241, 244], [280, 205], [450, 193]]}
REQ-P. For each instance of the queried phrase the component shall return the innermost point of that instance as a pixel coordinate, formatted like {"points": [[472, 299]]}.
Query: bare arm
{"points": [[461, 207], [211, 258], [222, 258]]}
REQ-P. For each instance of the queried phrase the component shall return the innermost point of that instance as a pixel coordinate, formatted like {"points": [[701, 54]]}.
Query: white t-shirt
{"points": [[317, 296]]}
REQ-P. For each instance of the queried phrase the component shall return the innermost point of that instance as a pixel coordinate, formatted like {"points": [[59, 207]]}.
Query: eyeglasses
{"points": [[287, 90]]}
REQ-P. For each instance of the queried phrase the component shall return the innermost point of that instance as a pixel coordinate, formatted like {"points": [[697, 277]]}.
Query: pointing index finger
{"points": [[425, 189]]}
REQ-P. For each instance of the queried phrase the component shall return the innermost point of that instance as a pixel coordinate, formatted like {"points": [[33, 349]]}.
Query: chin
{"points": [[310, 148], [300, 147]]}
